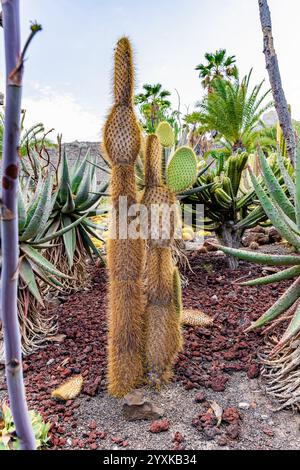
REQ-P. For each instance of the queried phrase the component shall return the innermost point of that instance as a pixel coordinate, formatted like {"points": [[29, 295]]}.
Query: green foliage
{"points": [[154, 107], [225, 198], [8, 439], [234, 111], [69, 228], [218, 65], [31, 139], [283, 209], [34, 212]]}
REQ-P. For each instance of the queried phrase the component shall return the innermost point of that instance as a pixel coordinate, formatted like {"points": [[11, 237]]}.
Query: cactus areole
{"points": [[9, 226]]}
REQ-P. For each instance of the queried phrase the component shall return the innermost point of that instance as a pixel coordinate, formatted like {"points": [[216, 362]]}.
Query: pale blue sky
{"points": [[68, 73]]}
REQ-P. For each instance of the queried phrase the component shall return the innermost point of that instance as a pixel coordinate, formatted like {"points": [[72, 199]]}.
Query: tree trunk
{"points": [[229, 236], [272, 65]]}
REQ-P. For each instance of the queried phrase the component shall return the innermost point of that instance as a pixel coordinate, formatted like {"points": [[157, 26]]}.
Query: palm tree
{"points": [[217, 66], [153, 105], [234, 112]]}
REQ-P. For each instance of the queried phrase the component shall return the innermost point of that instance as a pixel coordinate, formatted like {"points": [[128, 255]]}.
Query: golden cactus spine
{"points": [[163, 337], [122, 141]]}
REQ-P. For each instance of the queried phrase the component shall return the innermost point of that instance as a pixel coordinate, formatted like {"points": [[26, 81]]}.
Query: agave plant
{"points": [[69, 229], [282, 206]]}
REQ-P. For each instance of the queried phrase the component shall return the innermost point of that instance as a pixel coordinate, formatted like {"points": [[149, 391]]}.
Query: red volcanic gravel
{"points": [[209, 358], [224, 348], [161, 425]]}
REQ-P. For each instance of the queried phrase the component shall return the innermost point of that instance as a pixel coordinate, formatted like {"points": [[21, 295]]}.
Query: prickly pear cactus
{"points": [[165, 134]]}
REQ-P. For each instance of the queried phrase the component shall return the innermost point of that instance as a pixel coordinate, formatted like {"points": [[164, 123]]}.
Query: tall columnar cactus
{"points": [[163, 311], [9, 226], [122, 141]]}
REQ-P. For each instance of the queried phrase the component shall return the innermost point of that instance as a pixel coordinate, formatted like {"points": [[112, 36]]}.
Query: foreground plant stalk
{"points": [[9, 226]]}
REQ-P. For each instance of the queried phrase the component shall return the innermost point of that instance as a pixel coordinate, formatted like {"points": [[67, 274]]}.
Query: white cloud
{"points": [[63, 113]]}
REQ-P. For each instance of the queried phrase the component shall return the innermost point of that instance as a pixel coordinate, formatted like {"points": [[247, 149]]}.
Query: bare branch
{"points": [[272, 66]]}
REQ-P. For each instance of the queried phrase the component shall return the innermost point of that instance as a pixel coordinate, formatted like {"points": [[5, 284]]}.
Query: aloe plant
{"points": [[69, 228], [35, 271], [282, 206], [283, 210]]}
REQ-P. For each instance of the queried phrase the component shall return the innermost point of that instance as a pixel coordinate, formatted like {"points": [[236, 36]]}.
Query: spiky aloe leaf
{"points": [[291, 331], [55, 234], [89, 245], [273, 214], [192, 191], [26, 273], [84, 189], [42, 262], [65, 180], [41, 213], [79, 174], [204, 169], [283, 303], [76, 164], [92, 232], [262, 258], [69, 238], [95, 226], [35, 199], [69, 205], [21, 211], [104, 168], [286, 176], [284, 275], [44, 276], [275, 190], [92, 200]]}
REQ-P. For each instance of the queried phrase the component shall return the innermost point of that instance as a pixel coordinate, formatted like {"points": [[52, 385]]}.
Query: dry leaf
{"points": [[69, 389], [64, 362], [218, 411], [56, 338]]}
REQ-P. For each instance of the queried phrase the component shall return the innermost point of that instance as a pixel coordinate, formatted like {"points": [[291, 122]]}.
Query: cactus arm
{"points": [[252, 219], [284, 275], [283, 303], [273, 214], [261, 258], [275, 189], [9, 225]]}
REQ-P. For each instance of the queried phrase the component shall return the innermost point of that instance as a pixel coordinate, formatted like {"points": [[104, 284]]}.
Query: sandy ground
{"points": [[180, 408]]}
